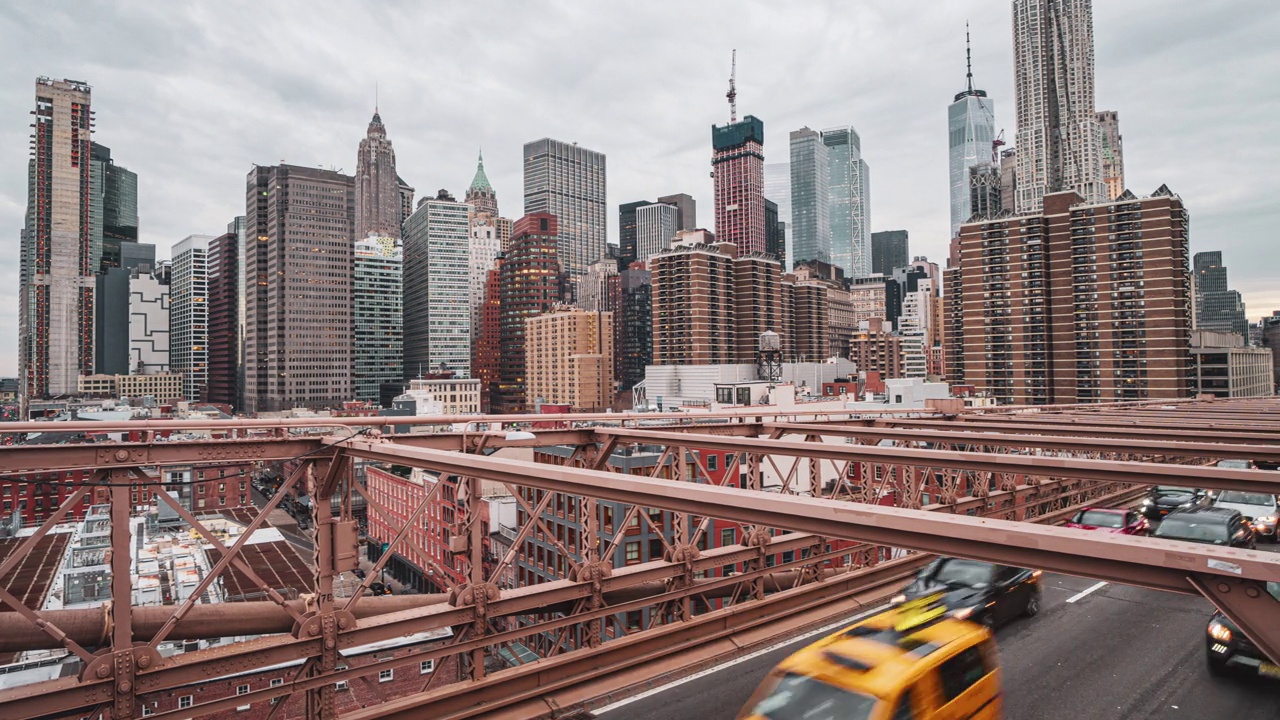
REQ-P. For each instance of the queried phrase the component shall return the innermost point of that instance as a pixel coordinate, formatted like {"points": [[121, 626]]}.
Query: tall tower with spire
{"points": [[737, 168], [971, 121], [480, 196], [378, 205]]}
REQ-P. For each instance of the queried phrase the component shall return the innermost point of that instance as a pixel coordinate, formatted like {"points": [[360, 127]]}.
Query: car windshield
{"points": [[1192, 528], [1246, 498], [1100, 518], [797, 697], [970, 573], [1171, 489]]}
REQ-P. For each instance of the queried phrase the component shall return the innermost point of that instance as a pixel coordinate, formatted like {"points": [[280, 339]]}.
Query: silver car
{"points": [[1260, 510]]}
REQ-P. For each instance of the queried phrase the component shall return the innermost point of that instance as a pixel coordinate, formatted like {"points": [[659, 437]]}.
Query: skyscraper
{"points": [[111, 321], [775, 233], [437, 287], [298, 268], [377, 313], [486, 246], [531, 282], [777, 188], [406, 199], [627, 231], [56, 286], [810, 197], [568, 182], [569, 358], [633, 326], [694, 319], [149, 319], [737, 164], [971, 125], [1218, 307], [189, 315], [1112, 153], [378, 189], [850, 204], [686, 210], [1058, 140], [656, 226], [1077, 303], [224, 322], [486, 353], [114, 211], [481, 196], [889, 250]]}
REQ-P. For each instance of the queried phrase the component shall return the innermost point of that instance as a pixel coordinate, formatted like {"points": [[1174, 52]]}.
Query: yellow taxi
{"points": [[912, 662]]}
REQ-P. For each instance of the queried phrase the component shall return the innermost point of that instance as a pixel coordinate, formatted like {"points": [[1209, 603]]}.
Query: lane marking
{"points": [[730, 663], [1082, 593]]}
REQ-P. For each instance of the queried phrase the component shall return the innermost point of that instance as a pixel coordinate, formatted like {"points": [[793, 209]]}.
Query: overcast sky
{"points": [[188, 95]]}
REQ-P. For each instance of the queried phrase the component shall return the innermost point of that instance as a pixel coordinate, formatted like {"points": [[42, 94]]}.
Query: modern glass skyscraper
{"points": [[1059, 139], [377, 305], [850, 205], [971, 125], [777, 187], [810, 197], [568, 181], [1218, 307], [437, 287], [114, 211]]}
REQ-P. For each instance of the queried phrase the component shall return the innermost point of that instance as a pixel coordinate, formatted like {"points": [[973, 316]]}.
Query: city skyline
{"points": [[166, 135]]}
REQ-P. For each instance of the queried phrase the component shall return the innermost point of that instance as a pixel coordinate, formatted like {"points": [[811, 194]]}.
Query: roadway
{"points": [[1096, 651]]}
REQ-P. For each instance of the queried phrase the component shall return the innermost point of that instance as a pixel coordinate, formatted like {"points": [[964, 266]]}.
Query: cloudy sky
{"points": [[189, 95]]}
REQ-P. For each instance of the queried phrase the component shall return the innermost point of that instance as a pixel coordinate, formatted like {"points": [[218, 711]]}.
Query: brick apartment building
{"points": [[1078, 303]]}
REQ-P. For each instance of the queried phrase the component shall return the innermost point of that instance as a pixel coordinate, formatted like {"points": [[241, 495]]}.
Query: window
{"points": [[242, 689], [961, 672], [184, 702], [146, 710], [633, 552], [386, 675], [426, 667], [904, 710], [277, 682], [340, 685], [633, 620], [728, 536], [712, 463]]}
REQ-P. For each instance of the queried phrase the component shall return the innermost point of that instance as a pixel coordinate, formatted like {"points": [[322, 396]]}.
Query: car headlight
{"points": [[1148, 501], [1184, 505], [963, 613], [897, 599], [1269, 520], [1219, 632]]}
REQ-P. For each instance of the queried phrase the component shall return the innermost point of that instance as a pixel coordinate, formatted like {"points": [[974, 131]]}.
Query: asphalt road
{"points": [[1116, 652]]}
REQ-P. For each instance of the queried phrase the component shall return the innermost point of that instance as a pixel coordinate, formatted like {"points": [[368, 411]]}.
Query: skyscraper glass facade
{"points": [[1218, 307], [971, 124], [811, 197], [777, 187], [377, 306], [850, 205]]}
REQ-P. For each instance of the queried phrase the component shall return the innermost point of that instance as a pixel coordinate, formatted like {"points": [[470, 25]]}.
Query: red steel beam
{"points": [[990, 439], [1102, 470], [1081, 430], [16, 459]]}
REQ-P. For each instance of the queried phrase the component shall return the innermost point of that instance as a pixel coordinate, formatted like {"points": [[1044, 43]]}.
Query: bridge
{"points": [[806, 519]]}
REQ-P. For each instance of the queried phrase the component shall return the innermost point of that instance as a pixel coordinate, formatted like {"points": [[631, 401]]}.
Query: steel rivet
{"points": [[1252, 592], [1223, 587], [124, 687], [103, 671]]}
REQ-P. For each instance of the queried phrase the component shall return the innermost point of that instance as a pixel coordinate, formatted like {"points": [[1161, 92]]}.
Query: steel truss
{"points": [[812, 476]]}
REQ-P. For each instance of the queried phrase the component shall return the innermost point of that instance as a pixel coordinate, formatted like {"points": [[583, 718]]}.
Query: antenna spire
{"points": [[968, 57], [732, 95], [375, 97]]}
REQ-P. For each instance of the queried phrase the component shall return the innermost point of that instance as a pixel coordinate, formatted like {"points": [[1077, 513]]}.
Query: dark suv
{"points": [[1226, 648], [1214, 526], [976, 591], [1164, 499]]}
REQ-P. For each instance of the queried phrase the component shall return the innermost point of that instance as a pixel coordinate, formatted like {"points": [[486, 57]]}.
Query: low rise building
{"points": [[1222, 366]]}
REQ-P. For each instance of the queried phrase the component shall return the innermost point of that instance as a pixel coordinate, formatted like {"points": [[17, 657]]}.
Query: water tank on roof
{"points": [[769, 341]]}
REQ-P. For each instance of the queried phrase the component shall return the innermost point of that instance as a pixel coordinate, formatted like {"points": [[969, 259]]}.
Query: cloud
{"points": [[190, 95]]}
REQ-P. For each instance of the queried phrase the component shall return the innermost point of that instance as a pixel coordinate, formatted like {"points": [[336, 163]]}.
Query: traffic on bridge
{"points": [[1072, 561]]}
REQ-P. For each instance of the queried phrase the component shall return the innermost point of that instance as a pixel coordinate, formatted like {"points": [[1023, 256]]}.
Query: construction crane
{"points": [[733, 92], [995, 148]]}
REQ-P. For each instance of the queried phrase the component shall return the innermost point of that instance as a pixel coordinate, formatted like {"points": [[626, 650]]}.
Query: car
{"points": [[978, 591], [1164, 499], [912, 661], [1260, 510], [1227, 649], [1113, 520], [1214, 526]]}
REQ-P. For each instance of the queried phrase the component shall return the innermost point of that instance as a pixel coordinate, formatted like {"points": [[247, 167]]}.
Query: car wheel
{"points": [[1033, 605], [1217, 668]]}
